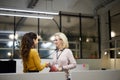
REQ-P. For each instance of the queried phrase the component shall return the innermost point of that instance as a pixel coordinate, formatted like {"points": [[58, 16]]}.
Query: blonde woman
{"points": [[63, 59]]}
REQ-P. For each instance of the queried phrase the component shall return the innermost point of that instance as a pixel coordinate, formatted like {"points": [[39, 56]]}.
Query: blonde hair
{"points": [[64, 39]]}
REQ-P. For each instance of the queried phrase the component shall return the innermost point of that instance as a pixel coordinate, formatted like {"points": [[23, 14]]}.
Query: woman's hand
{"points": [[53, 68], [60, 68], [47, 64]]}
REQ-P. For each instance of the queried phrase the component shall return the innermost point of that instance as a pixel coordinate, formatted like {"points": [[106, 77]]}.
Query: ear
{"points": [[33, 40]]}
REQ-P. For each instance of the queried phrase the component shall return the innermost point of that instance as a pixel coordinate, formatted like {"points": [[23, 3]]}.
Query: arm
{"points": [[71, 60], [37, 61]]}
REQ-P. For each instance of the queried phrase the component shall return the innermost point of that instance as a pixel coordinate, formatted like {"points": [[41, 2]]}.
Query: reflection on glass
{"points": [[46, 49], [70, 26], [89, 38]]}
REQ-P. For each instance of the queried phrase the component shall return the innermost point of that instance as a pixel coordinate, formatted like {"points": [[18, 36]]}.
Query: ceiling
{"points": [[78, 6], [71, 6]]}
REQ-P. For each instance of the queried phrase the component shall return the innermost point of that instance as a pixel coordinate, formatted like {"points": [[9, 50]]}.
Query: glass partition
{"points": [[47, 29], [71, 27], [90, 38], [20, 26], [114, 26], [80, 33]]}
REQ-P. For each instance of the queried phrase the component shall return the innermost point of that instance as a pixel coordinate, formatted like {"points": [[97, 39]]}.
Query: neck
{"points": [[60, 49]]}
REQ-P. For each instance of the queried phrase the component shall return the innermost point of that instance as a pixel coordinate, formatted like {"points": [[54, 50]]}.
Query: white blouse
{"points": [[64, 59]]}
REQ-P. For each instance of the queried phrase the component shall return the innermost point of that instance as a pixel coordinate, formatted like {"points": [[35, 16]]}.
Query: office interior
{"points": [[92, 28]]}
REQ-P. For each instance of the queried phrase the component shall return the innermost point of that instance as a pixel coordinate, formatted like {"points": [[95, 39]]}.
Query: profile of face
{"points": [[37, 39], [57, 41]]}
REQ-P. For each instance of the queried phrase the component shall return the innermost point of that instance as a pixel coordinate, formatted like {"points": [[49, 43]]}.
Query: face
{"points": [[57, 41], [36, 40]]}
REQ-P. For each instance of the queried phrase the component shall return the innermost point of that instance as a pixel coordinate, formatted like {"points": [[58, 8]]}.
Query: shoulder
{"points": [[33, 51], [67, 49]]}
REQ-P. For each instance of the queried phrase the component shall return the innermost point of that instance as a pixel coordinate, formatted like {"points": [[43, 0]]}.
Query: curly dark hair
{"points": [[26, 44]]}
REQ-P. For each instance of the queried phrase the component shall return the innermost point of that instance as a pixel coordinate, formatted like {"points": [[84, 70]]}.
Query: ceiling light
{"points": [[11, 36], [113, 34], [29, 11], [105, 53], [9, 53], [30, 16]]}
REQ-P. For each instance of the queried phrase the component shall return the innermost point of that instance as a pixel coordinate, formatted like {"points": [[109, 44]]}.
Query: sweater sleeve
{"points": [[37, 61], [71, 60]]}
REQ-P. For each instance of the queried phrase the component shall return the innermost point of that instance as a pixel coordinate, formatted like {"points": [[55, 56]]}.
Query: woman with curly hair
{"points": [[30, 56]]}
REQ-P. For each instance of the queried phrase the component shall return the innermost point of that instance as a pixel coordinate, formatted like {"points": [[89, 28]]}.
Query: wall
{"points": [[78, 75], [96, 75], [82, 64], [33, 76], [106, 61]]}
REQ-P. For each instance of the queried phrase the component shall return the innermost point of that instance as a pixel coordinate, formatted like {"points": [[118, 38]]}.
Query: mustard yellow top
{"points": [[34, 62]]}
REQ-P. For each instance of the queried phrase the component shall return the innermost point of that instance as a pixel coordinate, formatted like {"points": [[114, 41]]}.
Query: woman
{"points": [[30, 56], [63, 59]]}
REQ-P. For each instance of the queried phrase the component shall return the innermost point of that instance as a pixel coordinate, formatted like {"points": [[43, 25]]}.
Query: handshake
{"points": [[47, 65], [54, 68]]}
